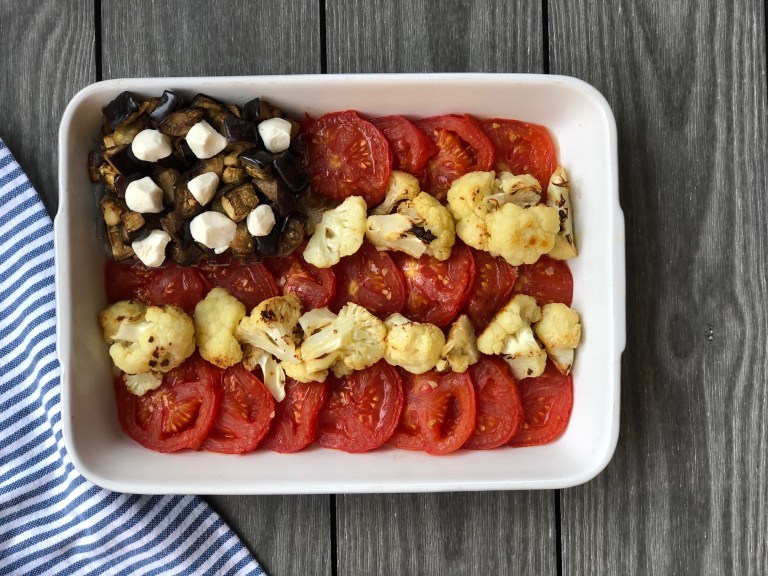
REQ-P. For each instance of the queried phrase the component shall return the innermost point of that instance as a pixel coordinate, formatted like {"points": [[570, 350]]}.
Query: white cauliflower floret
{"points": [[559, 330], [414, 346], [217, 317], [460, 350], [510, 334], [559, 197], [299, 372], [272, 373], [523, 190], [140, 384], [522, 235], [157, 339], [355, 339], [339, 233], [401, 186], [420, 226], [272, 326]]}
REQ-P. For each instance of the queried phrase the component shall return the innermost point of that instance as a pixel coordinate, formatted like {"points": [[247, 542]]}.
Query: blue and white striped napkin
{"points": [[52, 520]]}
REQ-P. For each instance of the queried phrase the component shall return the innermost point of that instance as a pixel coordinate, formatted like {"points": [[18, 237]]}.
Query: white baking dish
{"points": [[584, 128]]}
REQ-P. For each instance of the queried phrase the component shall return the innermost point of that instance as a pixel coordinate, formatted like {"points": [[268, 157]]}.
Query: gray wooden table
{"points": [[687, 491]]}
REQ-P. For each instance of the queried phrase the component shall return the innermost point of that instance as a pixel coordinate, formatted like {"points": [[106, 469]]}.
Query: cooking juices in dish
{"points": [[347, 281]]}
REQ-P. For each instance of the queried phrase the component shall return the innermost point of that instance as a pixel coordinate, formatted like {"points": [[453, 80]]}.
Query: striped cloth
{"points": [[52, 520]]}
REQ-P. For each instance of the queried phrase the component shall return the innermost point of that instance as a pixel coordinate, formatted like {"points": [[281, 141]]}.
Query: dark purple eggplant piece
{"points": [[132, 222], [257, 163], [291, 233], [122, 108], [185, 254], [239, 201], [178, 123], [215, 111], [239, 130], [259, 109], [123, 160], [184, 203], [277, 193], [119, 243], [112, 208], [268, 245], [242, 244], [169, 102], [291, 171], [127, 131], [95, 159]]}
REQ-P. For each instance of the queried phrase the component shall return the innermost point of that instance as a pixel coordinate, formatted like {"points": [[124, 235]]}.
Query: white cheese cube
{"points": [[151, 249], [276, 134], [204, 141], [261, 220], [203, 187], [151, 145], [213, 230], [144, 196]]}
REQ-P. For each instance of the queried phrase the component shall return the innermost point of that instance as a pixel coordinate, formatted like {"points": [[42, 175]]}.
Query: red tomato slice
{"points": [[251, 283], [462, 147], [245, 413], [363, 409], [547, 280], [499, 407], [169, 284], [522, 148], [494, 279], [295, 424], [177, 415], [371, 279], [439, 414], [547, 401], [348, 156], [314, 286], [410, 146], [436, 290]]}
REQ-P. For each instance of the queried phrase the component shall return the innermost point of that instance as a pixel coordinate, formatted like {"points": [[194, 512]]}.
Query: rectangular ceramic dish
{"points": [[584, 129]]}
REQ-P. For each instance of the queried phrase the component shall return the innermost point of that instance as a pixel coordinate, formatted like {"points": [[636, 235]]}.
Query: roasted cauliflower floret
{"points": [[460, 350], [339, 233], [414, 346], [157, 338], [140, 384], [420, 226], [510, 334], [272, 373], [559, 197], [522, 235], [559, 329], [523, 190], [272, 327], [401, 186], [299, 372], [217, 317]]}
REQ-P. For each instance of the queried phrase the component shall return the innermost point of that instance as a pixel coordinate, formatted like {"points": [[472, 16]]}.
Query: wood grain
{"points": [[47, 57], [440, 534], [288, 534], [687, 490]]}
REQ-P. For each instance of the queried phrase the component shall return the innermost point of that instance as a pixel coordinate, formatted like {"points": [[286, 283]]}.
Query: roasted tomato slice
{"points": [[169, 284], [245, 413], [251, 283], [494, 279], [522, 148], [436, 290], [363, 409], [547, 280], [547, 401], [315, 286], [347, 155], [439, 413], [499, 407], [177, 415], [410, 146], [371, 279], [295, 424], [462, 147]]}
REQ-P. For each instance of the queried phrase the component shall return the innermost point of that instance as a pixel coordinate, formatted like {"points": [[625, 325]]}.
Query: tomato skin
{"points": [[315, 286], [462, 147], [410, 145], [169, 284], [547, 401], [249, 282], [500, 411], [436, 290], [451, 404], [522, 148], [177, 415], [494, 281], [347, 155], [371, 279], [362, 410], [295, 424], [547, 280]]}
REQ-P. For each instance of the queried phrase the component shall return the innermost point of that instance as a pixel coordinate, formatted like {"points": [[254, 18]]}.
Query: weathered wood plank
{"points": [[47, 56], [426, 534], [687, 490], [289, 535]]}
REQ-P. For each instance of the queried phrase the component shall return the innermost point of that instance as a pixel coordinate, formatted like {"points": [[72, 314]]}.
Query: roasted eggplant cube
{"points": [[123, 108], [243, 243], [268, 245], [215, 112], [123, 160], [258, 164], [239, 201], [119, 242], [185, 204], [95, 160], [291, 171], [239, 130], [178, 123], [169, 102], [292, 233]]}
